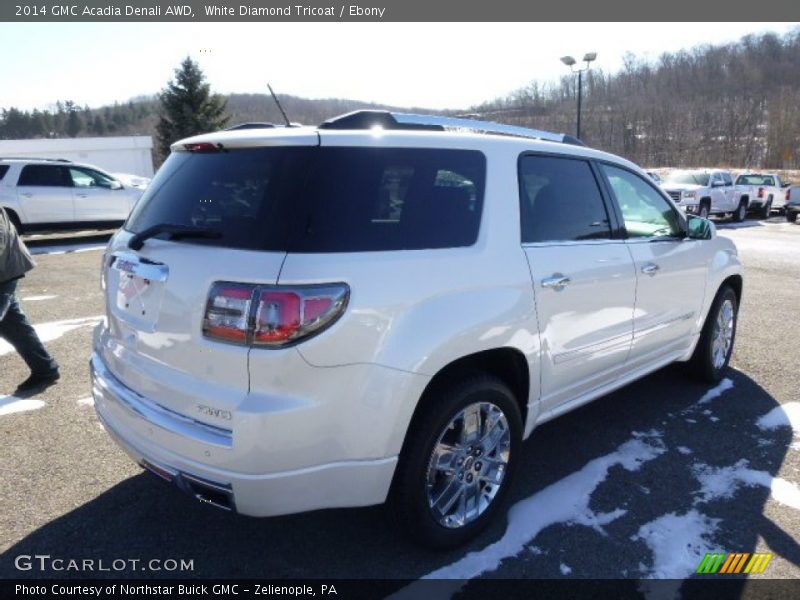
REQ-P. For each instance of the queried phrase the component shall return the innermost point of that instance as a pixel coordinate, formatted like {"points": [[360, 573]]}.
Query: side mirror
{"points": [[717, 183], [699, 228], [115, 185]]}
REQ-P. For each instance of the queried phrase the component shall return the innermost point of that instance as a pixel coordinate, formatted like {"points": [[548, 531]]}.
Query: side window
{"points": [[645, 212], [45, 175], [3, 170], [89, 178], [560, 201], [726, 177]]}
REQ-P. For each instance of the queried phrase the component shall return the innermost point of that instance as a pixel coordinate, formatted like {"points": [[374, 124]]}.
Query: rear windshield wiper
{"points": [[176, 232]]}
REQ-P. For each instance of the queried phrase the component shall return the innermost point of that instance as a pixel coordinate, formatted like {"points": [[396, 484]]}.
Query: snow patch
{"points": [[724, 482], [86, 401], [53, 330], [565, 501], [565, 569], [683, 450], [715, 392], [678, 543], [38, 298], [785, 415], [13, 404]]}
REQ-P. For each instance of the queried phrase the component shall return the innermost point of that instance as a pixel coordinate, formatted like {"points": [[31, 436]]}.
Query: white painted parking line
{"points": [[13, 404], [66, 248], [53, 330], [38, 298]]}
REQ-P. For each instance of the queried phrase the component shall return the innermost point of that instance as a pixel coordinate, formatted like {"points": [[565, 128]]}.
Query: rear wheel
{"points": [[791, 215], [714, 349], [12, 216], [457, 463], [766, 210], [741, 212]]}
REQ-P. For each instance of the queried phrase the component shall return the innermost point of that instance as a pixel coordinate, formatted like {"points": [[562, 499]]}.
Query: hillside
{"points": [[734, 105]]}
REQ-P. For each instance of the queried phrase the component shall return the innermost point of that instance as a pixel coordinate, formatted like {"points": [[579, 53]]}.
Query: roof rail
{"points": [[367, 119], [252, 125], [63, 160]]}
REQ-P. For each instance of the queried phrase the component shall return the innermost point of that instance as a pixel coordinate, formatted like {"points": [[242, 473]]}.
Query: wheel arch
{"points": [[506, 363]]}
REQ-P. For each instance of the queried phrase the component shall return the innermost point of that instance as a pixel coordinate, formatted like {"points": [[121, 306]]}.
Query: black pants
{"points": [[17, 331]]}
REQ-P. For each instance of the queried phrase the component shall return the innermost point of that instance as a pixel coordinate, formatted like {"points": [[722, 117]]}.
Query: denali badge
{"points": [[210, 411]]}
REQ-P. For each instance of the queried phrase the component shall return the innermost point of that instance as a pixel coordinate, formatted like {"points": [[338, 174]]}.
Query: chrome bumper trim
{"points": [[105, 384]]}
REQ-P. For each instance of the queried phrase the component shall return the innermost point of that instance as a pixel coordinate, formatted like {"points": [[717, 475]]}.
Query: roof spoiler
{"points": [[384, 119]]}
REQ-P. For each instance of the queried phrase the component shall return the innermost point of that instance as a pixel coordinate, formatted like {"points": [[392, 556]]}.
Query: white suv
{"points": [[42, 193], [384, 308]]}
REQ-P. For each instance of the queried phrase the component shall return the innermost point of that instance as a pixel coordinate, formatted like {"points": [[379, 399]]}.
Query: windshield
{"points": [[690, 177], [312, 199]]}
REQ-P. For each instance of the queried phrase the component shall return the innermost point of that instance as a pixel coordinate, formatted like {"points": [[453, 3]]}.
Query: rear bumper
{"points": [[153, 436]]}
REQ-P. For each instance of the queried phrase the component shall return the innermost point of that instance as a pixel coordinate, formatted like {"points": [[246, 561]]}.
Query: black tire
{"points": [[702, 363], [791, 215], [766, 210], [705, 209], [12, 216], [741, 212], [409, 501]]}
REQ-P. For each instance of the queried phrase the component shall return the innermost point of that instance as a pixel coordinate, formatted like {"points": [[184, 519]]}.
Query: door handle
{"points": [[650, 269], [83, 195], [556, 281], [27, 194]]}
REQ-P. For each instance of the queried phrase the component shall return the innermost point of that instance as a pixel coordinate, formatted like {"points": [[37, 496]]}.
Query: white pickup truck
{"points": [[706, 192], [764, 190]]}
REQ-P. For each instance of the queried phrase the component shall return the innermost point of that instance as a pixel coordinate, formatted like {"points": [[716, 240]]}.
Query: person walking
{"points": [[15, 261]]}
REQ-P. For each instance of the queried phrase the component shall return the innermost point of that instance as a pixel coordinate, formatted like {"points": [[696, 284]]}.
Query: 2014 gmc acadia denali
{"points": [[383, 307]]}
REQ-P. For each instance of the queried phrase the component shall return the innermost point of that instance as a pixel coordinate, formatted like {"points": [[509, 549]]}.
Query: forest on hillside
{"points": [[735, 105]]}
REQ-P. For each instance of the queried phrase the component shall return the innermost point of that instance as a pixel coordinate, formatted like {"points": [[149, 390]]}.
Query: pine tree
{"points": [[188, 107]]}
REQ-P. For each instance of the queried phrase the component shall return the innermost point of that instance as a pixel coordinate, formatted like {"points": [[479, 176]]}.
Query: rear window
{"points": [[3, 170], [321, 199]]}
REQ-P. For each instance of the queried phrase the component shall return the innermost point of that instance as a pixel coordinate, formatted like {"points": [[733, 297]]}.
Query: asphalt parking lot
{"points": [[638, 484]]}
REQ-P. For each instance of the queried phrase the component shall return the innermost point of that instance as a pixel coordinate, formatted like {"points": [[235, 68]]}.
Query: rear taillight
{"points": [[228, 312], [760, 192], [271, 315], [788, 194]]}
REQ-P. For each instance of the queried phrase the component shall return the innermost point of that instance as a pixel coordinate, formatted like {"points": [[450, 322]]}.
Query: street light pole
{"points": [[570, 62]]}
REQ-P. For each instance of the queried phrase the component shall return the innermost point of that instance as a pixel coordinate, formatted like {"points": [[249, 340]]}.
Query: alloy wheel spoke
{"points": [[451, 493]]}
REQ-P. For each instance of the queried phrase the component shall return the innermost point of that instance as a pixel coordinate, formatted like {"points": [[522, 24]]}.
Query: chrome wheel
{"points": [[468, 464], [722, 337]]}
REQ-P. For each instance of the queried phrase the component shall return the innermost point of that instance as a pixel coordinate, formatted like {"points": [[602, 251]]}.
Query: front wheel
{"points": [[457, 463], [715, 346], [704, 211]]}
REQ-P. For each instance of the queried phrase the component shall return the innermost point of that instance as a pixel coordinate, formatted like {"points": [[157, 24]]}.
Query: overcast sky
{"points": [[433, 65]]}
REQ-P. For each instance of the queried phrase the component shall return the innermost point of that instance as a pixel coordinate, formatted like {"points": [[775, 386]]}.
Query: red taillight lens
{"points": [[291, 313], [282, 315], [228, 312], [278, 317], [760, 192]]}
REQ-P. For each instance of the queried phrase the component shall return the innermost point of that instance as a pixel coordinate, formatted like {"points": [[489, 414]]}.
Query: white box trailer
{"points": [[124, 154]]}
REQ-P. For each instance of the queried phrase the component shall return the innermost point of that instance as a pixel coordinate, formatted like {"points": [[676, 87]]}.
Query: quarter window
{"points": [[560, 201], [645, 212]]}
